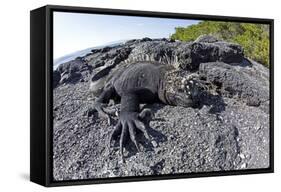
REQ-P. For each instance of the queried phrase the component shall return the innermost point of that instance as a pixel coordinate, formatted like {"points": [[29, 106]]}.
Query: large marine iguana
{"points": [[144, 82]]}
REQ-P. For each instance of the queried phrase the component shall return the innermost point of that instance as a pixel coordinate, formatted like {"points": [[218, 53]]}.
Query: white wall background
{"points": [[14, 95]]}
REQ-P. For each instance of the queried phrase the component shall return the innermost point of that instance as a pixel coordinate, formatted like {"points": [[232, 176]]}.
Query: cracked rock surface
{"points": [[228, 131]]}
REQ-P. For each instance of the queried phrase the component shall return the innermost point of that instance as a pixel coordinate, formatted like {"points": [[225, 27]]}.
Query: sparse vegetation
{"points": [[253, 37]]}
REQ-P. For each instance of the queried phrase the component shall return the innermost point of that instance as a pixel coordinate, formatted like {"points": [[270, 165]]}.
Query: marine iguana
{"points": [[144, 82]]}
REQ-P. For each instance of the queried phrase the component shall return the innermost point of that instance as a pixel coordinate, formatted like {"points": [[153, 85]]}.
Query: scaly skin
{"points": [[142, 82]]}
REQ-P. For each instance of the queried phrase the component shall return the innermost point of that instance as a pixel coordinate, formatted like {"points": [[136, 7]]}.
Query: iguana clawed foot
{"points": [[127, 125], [103, 112]]}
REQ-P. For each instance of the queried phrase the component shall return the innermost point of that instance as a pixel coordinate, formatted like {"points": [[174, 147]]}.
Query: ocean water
{"points": [[71, 56]]}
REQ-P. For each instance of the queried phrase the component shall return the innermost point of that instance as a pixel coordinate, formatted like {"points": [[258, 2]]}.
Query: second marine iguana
{"points": [[144, 82]]}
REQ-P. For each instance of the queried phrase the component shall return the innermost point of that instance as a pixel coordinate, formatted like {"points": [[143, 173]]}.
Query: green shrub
{"points": [[253, 37]]}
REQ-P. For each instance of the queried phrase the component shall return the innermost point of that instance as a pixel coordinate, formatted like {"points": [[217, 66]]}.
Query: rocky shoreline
{"points": [[228, 131]]}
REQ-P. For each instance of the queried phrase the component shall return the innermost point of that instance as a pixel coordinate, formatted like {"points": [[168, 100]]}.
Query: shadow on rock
{"points": [[244, 63], [216, 102], [148, 145]]}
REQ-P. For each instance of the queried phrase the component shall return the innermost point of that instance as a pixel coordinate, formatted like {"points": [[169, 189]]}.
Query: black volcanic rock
{"points": [[105, 49], [192, 54], [74, 71], [56, 78], [229, 130], [236, 83], [206, 39]]}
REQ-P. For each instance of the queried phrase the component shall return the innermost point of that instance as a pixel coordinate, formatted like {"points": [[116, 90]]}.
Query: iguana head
{"points": [[180, 89]]}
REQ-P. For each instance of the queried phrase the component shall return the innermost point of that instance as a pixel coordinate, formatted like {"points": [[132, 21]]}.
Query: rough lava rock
{"points": [[229, 130]]}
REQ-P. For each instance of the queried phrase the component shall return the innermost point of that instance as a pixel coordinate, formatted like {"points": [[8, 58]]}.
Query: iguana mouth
{"points": [[184, 95], [183, 99]]}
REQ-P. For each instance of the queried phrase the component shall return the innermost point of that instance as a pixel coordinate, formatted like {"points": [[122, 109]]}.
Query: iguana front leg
{"points": [[129, 121], [100, 103]]}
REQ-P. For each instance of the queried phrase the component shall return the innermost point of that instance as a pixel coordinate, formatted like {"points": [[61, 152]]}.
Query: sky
{"points": [[78, 31]]}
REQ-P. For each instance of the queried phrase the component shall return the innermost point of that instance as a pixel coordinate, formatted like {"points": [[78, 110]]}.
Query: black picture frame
{"points": [[41, 65]]}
